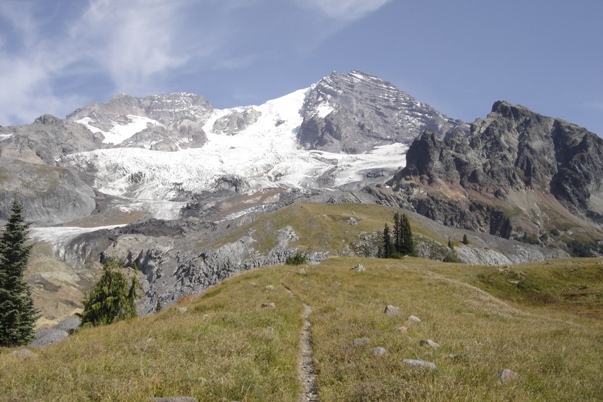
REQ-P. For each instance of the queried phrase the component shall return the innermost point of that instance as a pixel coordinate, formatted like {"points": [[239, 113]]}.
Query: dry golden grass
{"points": [[224, 347], [324, 227], [558, 358], [227, 347]]}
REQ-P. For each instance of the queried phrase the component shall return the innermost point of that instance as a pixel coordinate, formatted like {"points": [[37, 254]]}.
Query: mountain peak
{"points": [[507, 109], [355, 112]]}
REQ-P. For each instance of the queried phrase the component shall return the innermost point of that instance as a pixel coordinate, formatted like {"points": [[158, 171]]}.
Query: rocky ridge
{"points": [[28, 171], [174, 260], [517, 172], [355, 112]]}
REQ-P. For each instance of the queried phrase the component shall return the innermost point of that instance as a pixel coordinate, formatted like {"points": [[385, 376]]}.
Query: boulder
{"points": [[430, 343], [69, 324], [392, 311], [506, 376], [421, 363], [414, 319], [361, 341], [359, 268], [48, 336]]}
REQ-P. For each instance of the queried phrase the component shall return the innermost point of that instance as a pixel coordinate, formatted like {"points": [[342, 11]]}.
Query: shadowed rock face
{"points": [[354, 112], [466, 179], [28, 171], [45, 140], [49, 195]]}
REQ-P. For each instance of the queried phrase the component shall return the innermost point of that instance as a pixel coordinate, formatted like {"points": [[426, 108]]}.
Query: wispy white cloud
{"points": [[129, 43], [346, 10], [20, 19], [27, 65], [133, 40], [135, 46]]}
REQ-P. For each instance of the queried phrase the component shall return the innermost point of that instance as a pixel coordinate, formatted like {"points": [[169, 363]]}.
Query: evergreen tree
{"points": [[465, 239], [407, 244], [112, 299], [387, 243], [397, 233], [17, 312]]}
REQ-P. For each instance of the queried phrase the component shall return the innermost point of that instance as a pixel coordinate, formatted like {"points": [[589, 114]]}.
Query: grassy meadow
{"points": [[543, 321]]}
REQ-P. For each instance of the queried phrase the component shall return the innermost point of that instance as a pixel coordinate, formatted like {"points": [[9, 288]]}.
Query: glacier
{"points": [[263, 154]]}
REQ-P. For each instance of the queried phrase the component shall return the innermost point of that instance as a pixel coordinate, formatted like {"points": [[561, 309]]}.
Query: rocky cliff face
{"points": [[28, 171], [354, 112], [45, 140], [516, 171], [173, 266], [162, 108], [49, 195]]}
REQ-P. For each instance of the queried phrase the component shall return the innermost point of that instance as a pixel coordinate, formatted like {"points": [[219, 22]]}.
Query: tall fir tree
{"points": [[397, 235], [388, 247], [112, 298], [17, 312], [407, 244]]}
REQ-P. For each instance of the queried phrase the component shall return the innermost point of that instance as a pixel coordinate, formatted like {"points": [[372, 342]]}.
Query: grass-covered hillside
{"points": [[355, 229], [542, 321], [319, 230]]}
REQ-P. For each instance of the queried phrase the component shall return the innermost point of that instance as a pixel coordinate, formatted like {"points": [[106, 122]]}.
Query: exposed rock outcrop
{"points": [[45, 140], [49, 194], [236, 121], [173, 266], [516, 172]]}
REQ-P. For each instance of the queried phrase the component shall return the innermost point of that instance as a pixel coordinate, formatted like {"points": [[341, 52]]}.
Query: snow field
{"points": [[263, 154]]}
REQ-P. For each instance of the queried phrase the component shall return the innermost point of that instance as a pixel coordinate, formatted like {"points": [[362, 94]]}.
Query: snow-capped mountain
{"points": [[261, 152], [106, 170], [156, 154]]}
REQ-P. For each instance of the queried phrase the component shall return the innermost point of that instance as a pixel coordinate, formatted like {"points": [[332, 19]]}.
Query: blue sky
{"points": [[459, 56]]}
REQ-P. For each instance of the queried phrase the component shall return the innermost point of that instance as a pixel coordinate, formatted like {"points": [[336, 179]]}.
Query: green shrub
{"points": [[580, 249], [112, 299], [297, 259]]}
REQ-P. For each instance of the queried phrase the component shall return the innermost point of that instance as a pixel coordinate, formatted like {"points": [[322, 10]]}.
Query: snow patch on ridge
{"points": [[60, 236], [324, 109], [120, 131]]}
